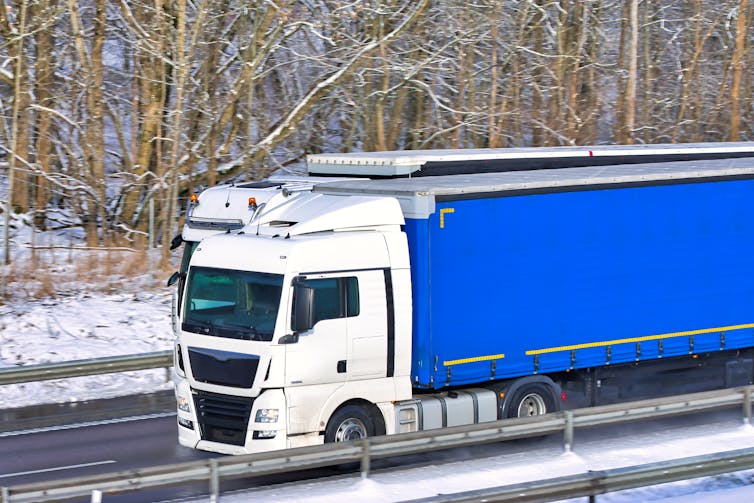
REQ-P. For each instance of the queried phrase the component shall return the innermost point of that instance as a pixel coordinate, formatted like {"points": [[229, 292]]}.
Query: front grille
{"points": [[222, 418], [224, 368]]}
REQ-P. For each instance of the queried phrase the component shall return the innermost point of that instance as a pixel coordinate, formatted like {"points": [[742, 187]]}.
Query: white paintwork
{"points": [[309, 213], [227, 206], [402, 307], [242, 252]]}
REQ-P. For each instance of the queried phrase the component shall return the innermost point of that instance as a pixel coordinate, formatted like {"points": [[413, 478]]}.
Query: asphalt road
{"points": [[92, 449], [89, 450]]}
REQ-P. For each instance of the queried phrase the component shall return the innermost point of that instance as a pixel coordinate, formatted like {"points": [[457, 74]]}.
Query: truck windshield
{"points": [[235, 304]]}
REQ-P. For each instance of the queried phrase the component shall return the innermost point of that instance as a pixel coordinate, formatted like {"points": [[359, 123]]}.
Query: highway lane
{"points": [[90, 450]]}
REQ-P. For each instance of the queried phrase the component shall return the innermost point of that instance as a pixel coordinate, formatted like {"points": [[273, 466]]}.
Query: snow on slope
{"points": [[80, 327]]}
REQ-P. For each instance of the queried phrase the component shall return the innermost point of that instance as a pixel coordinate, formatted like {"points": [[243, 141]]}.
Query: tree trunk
{"points": [[619, 126], [633, 57], [738, 63], [44, 90], [20, 127], [95, 129]]}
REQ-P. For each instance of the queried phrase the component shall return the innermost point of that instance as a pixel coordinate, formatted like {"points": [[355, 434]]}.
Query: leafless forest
{"points": [[107, 104]]}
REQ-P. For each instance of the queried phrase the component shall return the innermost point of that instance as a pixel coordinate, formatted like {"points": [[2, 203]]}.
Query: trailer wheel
{"points": [[351, 422], [531, 400]]}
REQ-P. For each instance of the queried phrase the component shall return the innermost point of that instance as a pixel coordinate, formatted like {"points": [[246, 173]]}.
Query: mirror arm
{"points": [[289, 339]]}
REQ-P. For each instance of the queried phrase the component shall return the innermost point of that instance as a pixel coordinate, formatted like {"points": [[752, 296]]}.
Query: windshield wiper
{"points": [[199, 327], [249, 333]]}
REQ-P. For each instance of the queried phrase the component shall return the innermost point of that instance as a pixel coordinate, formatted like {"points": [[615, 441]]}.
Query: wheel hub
{"points": [[351, 429], [532, 405]]}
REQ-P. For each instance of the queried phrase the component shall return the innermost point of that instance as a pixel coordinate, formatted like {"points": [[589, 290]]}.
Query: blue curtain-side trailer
{"points": [[612, 289]]}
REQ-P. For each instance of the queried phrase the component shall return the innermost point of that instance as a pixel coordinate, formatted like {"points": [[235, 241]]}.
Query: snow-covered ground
{"points": [[68, 303], [78, 327]]}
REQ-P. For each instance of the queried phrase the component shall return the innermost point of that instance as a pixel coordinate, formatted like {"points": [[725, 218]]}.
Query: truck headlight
{"points": [[184, 404], [267, 416]]}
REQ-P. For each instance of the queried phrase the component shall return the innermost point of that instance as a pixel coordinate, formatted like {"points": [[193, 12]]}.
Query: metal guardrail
{"points": [[213, 470], [79, 368], [598, 482]]}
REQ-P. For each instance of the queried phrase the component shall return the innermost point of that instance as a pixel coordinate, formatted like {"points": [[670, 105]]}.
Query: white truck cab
{"points": [[256, 363]]}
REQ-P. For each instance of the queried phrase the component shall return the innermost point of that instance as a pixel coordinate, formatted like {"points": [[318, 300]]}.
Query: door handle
{"points": [[342, 367]]}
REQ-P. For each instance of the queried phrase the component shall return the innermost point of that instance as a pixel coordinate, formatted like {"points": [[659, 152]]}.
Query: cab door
{"points": [[320, 354], [367, 326]]}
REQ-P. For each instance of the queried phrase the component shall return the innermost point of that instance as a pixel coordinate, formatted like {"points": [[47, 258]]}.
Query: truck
{"points": [[379, 306]]}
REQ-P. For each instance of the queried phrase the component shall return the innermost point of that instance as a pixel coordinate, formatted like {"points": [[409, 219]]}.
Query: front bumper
{"points": [[226, 423]]}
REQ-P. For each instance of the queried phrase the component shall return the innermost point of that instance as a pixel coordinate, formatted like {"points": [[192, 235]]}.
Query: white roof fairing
{"points": [[308, 213]]}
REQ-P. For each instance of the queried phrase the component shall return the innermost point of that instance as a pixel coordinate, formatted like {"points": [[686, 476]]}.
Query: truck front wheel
{"points": [[531, 400], [351, 422]]}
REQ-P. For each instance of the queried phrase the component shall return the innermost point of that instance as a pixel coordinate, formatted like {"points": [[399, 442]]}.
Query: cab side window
{"points": [[335, 298]]}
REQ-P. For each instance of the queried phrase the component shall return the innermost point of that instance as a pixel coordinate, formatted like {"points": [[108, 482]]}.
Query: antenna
{"points": [[257, 214], [227, 200]]}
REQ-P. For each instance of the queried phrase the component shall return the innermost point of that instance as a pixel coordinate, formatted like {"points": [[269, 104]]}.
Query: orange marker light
{"points": [[253, 203], [194, 198]]}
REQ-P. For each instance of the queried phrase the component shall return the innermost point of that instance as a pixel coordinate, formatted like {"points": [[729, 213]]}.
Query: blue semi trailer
{"points": [[379, 306]]}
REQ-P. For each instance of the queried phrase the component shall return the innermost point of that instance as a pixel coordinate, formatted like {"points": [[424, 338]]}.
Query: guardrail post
{"points": [[214, 481], [4, 495], [747, 406], [365, 458], [96, 496], [568, 432]]}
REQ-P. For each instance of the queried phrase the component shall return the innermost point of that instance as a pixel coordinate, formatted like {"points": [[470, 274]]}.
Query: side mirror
{"points": [[174, 278], [303, 309], [176, 242]]}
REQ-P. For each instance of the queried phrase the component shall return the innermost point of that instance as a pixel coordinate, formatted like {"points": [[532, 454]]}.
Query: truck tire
{"points": [[351, 422], [532, 400]]}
